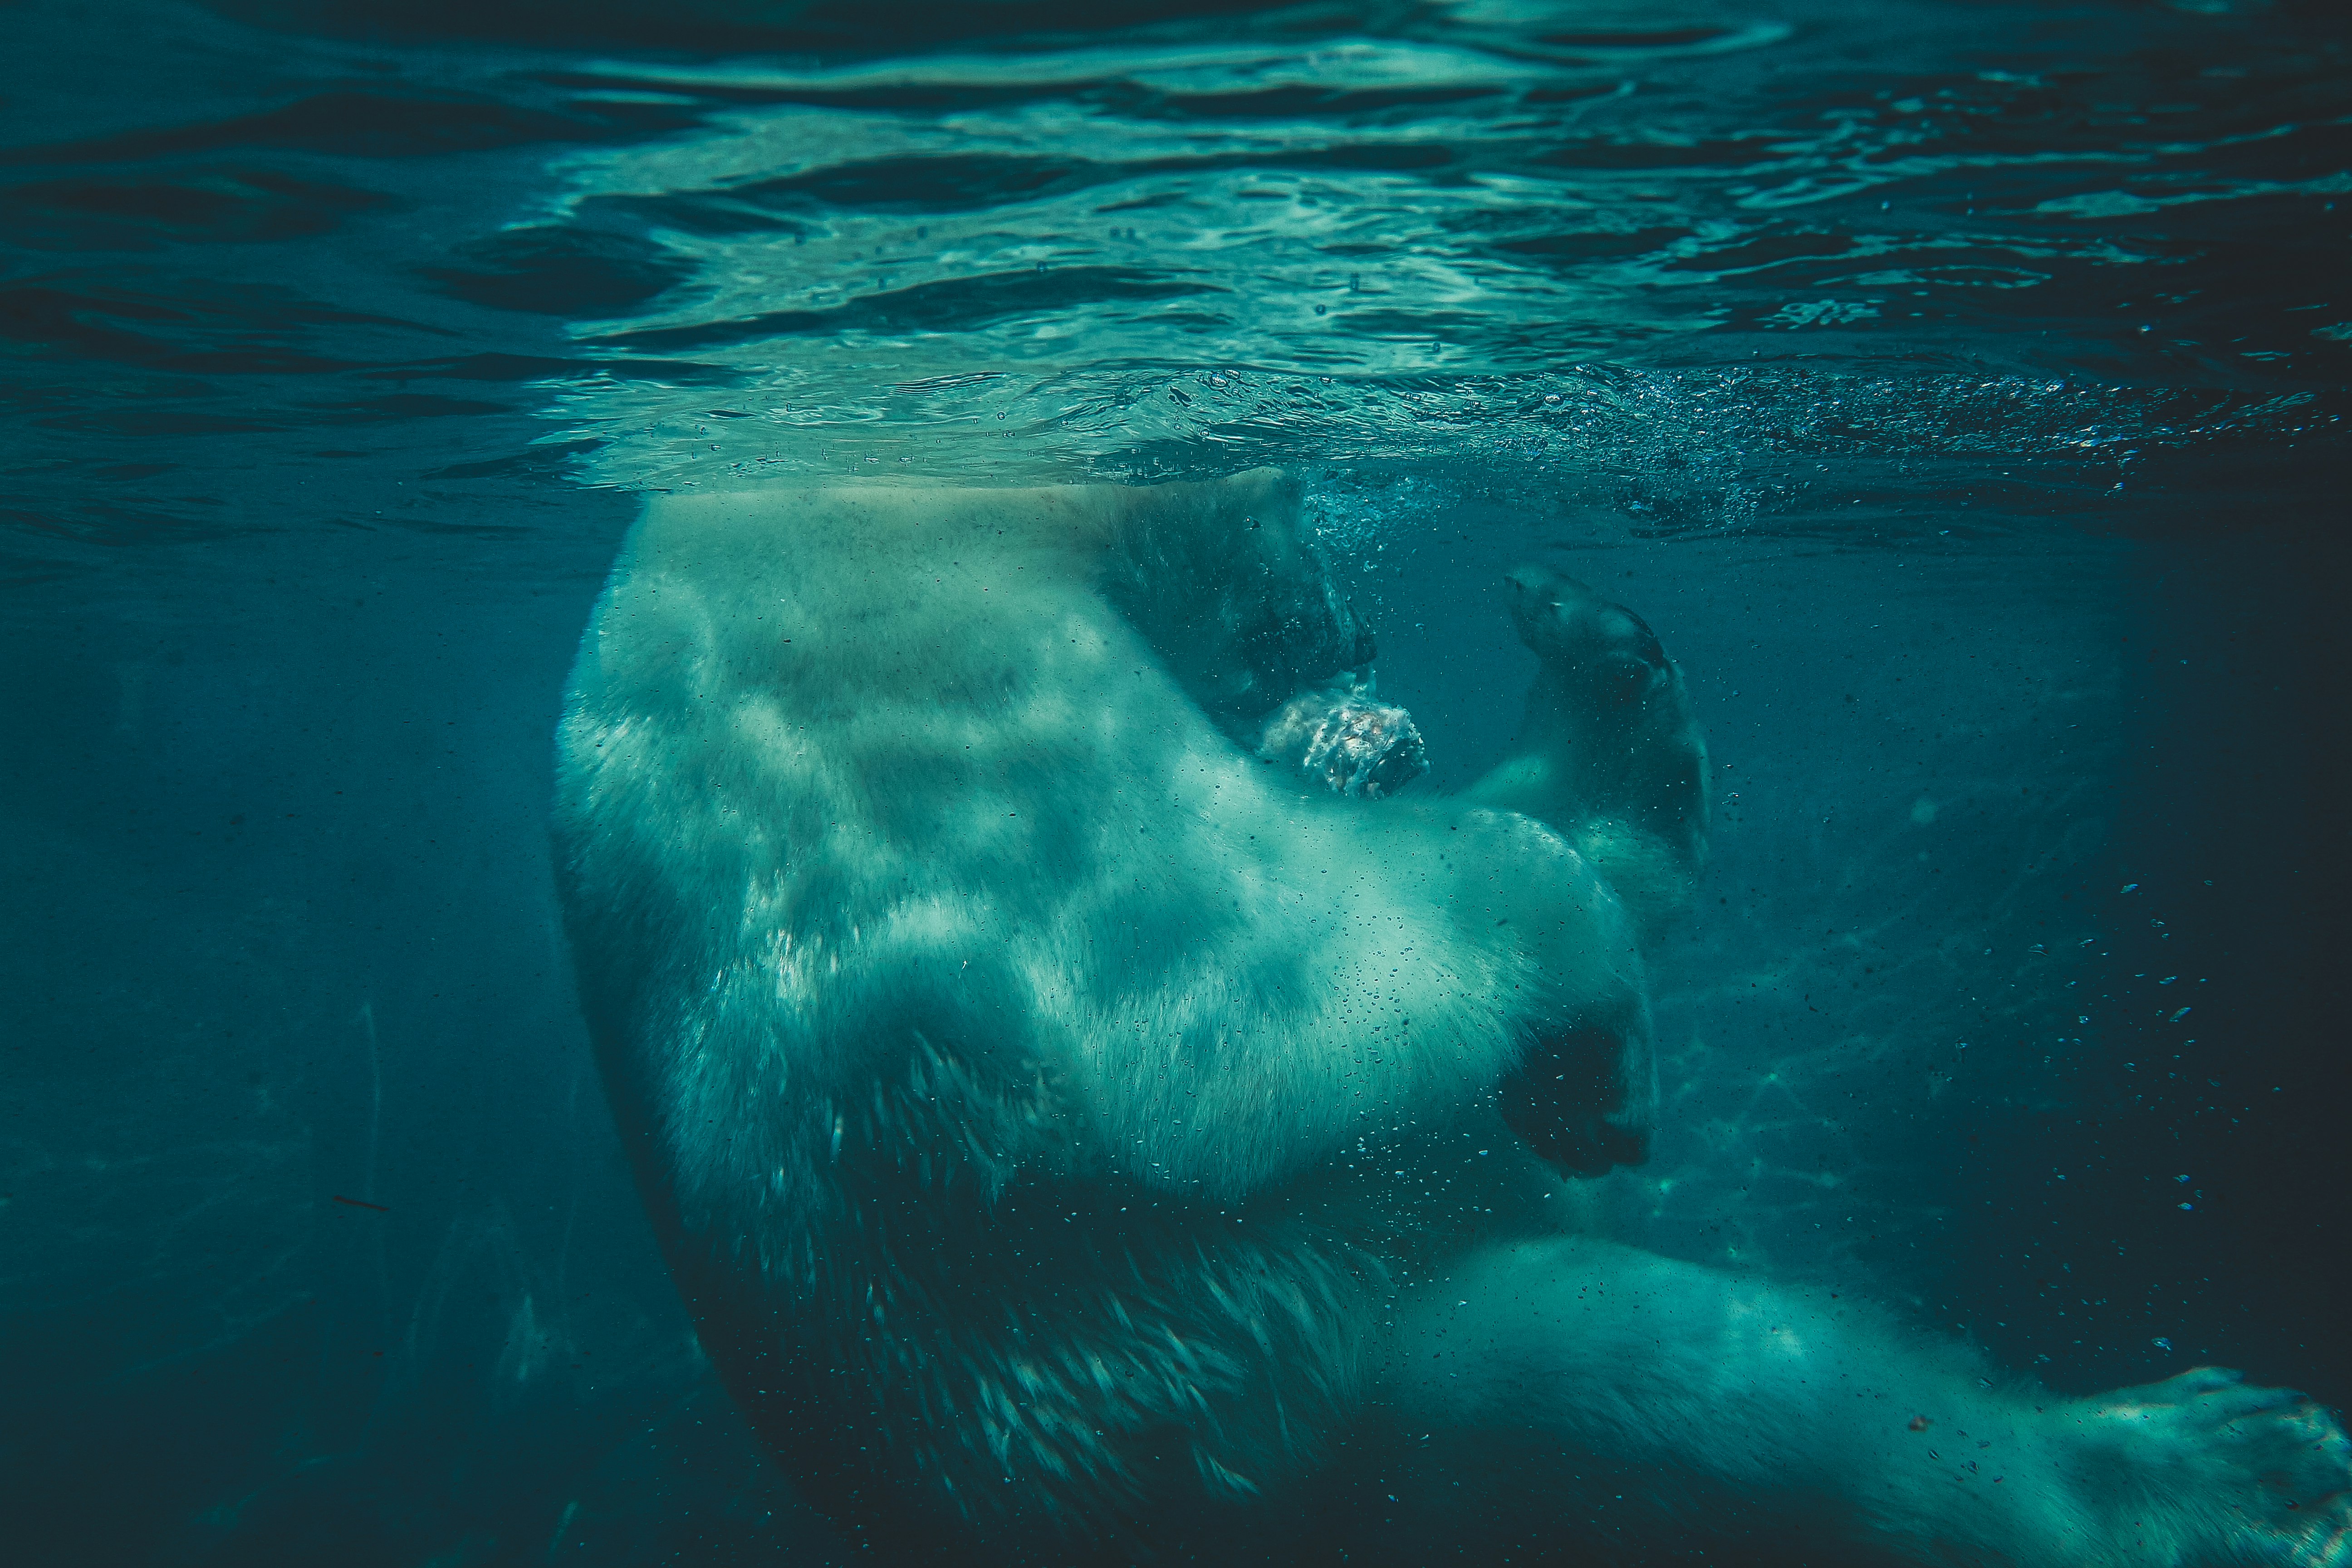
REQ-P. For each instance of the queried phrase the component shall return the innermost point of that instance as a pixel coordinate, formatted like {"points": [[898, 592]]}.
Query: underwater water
{"points": [[1959, 388]]}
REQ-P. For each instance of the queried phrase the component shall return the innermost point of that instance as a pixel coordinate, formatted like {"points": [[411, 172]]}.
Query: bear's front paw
{"points": [[2201, 1470], [1583, 639]]}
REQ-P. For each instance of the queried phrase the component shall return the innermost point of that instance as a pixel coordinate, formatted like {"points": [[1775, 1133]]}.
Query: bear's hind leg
{"points": [[1860, 1428], [2204, 1468]]}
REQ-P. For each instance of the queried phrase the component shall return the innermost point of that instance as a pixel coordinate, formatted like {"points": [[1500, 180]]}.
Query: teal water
{"points": [[1959, 390]]}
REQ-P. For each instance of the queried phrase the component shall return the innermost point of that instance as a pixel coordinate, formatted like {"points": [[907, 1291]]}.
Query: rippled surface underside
{"points": [[1679, 250]]}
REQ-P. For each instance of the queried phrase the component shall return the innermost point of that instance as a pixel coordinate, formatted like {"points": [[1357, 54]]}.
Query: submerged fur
{"points": [[989, 1020], [1070, 1129]]}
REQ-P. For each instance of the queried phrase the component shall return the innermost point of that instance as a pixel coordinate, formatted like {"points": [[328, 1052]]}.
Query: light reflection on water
{"points": [[1395, 249]]}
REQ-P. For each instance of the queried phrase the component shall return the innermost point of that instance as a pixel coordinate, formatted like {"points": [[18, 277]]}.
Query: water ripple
{"points": [[1720, 240]]}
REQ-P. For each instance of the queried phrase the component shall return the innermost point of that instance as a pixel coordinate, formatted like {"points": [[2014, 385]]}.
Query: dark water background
{"points": [[1959, 388]]}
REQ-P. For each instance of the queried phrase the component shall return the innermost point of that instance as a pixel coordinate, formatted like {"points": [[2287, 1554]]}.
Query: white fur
{"points": [[1066, 1126]]}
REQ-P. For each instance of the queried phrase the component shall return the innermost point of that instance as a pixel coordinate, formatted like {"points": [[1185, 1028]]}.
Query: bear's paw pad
{"points": [[2250, 1474]]}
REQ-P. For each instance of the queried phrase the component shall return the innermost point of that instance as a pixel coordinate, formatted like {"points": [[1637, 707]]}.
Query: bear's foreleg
{"points": [[1608, 752]]}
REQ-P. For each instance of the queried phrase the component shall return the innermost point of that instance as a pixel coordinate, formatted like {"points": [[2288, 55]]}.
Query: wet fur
{"points": [[1077, 1138]]}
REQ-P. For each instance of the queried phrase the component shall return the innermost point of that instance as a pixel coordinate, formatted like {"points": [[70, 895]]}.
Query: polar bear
{"points": [[1088, 1125]]}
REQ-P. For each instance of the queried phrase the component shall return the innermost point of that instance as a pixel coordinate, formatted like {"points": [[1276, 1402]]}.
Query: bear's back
{"points": [[824, 773]]}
